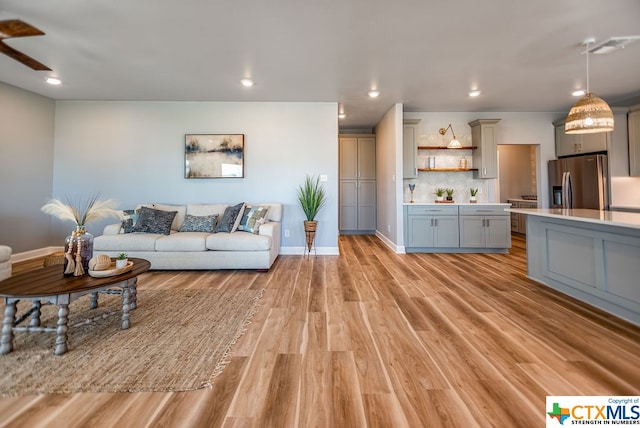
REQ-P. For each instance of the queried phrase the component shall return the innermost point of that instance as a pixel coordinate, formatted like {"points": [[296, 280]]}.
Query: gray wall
{"points": [[134, 152], [26, 167]]}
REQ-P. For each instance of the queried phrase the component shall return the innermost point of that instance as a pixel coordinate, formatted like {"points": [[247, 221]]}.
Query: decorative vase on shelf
{"points": [[412, 187], [78, 250]]}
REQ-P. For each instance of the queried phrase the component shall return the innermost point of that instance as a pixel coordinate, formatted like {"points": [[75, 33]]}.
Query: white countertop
{"points": [[613, 218], [456, 203]]}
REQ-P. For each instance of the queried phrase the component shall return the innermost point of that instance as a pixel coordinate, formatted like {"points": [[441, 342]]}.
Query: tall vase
{"points": [[310, 232], [78, 250]]}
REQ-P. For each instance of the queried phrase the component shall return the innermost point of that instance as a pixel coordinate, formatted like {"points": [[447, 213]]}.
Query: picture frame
{"points": [[214, 156]]}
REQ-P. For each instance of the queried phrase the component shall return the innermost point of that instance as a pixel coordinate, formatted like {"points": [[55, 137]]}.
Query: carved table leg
{"points": [[35, 313], [6, 343], [133, 298], [94, 301], [125, 308], [61, 335]]}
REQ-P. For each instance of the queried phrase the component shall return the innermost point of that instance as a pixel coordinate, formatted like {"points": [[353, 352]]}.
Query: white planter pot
{"points": [[121, 263], [439, 198]]}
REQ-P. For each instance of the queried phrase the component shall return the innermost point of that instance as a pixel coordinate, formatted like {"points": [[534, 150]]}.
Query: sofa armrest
{"points": [[269, 228], [112, 229]]}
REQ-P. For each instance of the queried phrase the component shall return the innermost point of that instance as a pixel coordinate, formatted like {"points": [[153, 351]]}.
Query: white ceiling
{"points": [[426, 54]]}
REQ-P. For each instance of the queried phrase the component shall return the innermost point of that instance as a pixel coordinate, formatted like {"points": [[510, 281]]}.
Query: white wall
{"points": [[134, 152], [26, 168], [389, 176]]}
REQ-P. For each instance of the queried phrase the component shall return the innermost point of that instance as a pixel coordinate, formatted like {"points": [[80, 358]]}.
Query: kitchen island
{"points": [[591, 255], [457, 227]]}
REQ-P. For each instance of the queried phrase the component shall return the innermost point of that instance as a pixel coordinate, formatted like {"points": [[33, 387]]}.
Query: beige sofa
{"points": [[197, 250]]}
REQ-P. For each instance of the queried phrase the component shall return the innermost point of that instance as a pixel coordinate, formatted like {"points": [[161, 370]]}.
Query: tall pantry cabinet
{"points": [[357, 184]]}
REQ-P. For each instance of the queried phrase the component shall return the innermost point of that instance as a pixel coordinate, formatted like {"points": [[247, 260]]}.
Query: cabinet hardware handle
{"points": [[435, 222], [487, 222]]}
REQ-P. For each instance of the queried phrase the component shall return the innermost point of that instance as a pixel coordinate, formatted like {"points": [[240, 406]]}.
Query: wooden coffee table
{"points": [[50, 285]]}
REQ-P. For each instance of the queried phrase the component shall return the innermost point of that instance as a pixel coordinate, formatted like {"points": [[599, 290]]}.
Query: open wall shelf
{"points": [[446, 169], [446, 148]]}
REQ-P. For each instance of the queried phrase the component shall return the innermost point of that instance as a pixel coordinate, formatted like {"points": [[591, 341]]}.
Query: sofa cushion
{"points": [[154, 221], [238, 241], [230, 219], [124, 242], [182, 241], [253, 218], [180, 210], [129, 219], [206, 209], [199, 223]]}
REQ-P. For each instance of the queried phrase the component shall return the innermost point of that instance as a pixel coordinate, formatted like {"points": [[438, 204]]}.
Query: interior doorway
{"points": [[517, 166]]}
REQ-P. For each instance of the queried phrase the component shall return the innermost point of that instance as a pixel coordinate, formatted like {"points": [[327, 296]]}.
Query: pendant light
{"points": [[453, 144], [591, 113]]}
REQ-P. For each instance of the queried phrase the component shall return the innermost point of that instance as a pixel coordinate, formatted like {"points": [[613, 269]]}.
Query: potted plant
{"points": [[449, 194], [473, 192], [439, 194], [121, 260], [312, 197]]}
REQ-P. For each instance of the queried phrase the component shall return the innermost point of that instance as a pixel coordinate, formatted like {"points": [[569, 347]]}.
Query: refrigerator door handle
{"points": [[564, 190], [569, 203]]}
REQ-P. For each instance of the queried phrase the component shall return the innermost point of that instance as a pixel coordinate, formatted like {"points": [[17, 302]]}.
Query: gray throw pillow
{"points": [[154, 221], [130, 217], [228, 220], [199, 223]]}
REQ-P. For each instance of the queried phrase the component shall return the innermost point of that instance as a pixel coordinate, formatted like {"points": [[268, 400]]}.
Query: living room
{"points": [[132, 150]]}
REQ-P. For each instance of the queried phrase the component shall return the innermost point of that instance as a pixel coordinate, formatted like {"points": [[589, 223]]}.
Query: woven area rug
{"points": [[179, 340]]}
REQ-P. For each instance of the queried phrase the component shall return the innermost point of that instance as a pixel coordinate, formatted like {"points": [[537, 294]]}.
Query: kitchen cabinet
{"points": [[519, 221], [409, 151], [432, 227], [573, 144], [634, 141], [484, 138], [357, 184], [484, 227]]}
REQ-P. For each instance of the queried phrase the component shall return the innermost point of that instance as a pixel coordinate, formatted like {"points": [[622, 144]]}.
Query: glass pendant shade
{"points": [[590, 114]]}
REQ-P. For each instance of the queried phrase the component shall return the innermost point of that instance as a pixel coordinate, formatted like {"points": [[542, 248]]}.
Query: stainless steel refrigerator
{"points": [[579, 182]]}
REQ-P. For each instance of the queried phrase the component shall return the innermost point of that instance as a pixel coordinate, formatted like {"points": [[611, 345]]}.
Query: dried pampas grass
{"points": [[82, 213]]}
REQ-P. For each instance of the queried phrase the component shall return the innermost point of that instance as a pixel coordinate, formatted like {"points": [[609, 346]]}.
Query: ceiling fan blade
{"points": [[17, 28]]}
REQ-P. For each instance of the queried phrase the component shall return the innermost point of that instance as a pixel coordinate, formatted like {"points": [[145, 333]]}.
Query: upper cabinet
{"points": [[574, 144], [358, 158], [634, 141], [409, 148], [484, 138]]}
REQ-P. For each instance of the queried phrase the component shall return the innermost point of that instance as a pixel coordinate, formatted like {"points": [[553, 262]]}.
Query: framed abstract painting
{"points": [[214, 156]]}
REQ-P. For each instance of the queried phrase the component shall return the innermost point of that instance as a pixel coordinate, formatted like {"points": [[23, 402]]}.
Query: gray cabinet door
{"points": [[409, 152], [484, 138], [497, 232], [366, 205], [348, 158], [472, 231], [634, 142], [366, 158], [420, 231], [445, 232], [348, 204]]}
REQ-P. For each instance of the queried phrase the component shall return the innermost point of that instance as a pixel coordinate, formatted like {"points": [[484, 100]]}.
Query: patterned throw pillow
{"points": [[253, 218], [129, 218], [228, 221], [154, 221], [199, 223]]}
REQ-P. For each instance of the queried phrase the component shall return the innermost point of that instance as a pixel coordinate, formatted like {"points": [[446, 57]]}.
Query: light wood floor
{"points": [[372, 338]]}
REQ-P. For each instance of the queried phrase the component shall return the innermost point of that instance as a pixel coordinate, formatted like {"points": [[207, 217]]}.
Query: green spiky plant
{"points": [[312, 197], [474, 192], [439, 191], [449, 193]]}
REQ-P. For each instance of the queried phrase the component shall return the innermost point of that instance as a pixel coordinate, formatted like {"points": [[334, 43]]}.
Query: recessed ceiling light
{"points": [[374, 93], [247, 82], [341, 116], [578, 93], [475, 93], [53, 81]]}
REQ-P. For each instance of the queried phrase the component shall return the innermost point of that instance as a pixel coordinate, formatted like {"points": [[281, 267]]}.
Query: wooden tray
{"points": [[111, 272], [445, 202]]}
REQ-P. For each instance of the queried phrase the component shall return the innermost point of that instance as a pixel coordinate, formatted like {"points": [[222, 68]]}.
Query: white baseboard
{"points": [[398, 249], [32, 254], [300, 251]]}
